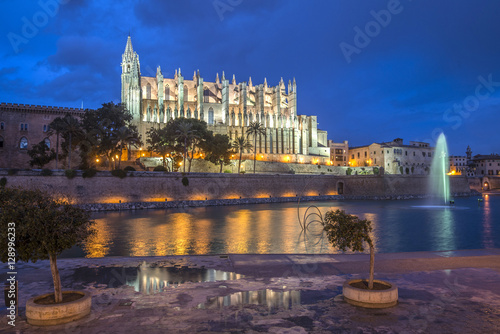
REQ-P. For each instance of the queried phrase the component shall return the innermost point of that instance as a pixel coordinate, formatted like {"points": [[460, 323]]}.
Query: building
{"points": [[339, 153], [486, 164], [394, 157], [458, 164], [228, 108], [22, 126]]}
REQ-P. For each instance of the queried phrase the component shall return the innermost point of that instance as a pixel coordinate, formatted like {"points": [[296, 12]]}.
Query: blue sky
{"points": [[371, 70]]}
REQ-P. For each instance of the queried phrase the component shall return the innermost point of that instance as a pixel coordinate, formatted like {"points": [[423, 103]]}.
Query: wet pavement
{"points": [[439, 292]]}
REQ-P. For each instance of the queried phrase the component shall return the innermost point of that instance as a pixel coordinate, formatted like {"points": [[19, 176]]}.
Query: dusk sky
{"points": [[371, 71]]}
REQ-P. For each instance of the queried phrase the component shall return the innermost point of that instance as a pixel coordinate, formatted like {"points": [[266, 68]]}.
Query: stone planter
{"points": [[55, 314], [370, 298]]}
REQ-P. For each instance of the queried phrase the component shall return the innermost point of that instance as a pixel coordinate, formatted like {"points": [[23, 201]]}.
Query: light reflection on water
{"points": [[398, 226]]}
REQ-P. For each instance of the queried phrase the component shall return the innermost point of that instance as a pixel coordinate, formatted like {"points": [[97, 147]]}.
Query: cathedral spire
{"points": [[234, 80], [223, 76], [217, 81], [128, 48], [250, 81]]}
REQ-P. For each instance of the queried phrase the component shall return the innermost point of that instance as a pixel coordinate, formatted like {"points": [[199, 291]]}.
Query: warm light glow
{"points": [[451, 173], [180, 163], [140, 149], [116, 156], [96, 160]]}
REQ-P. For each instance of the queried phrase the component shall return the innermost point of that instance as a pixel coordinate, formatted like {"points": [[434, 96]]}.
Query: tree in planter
{"points": [[44, 228], [218, 150], [346, 231]]}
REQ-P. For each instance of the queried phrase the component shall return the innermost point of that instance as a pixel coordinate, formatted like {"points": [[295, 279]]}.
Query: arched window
{"points": [[206, 95], [1, 142], [188, 113], [196, 113], [186, 91], [148, 91], [167, 92], [239, 119], [211, 116], [47, 142], [23, 144], [2, 125]]}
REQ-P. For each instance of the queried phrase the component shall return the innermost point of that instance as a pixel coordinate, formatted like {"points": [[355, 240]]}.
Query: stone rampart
{"points": [[161, 187]]}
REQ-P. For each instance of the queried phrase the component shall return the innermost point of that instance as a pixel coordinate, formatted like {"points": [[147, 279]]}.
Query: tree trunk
{"points": [[129, 155], [185, 152], [372, 267], [56, 278], [69, 155], [255, 152], [221, 163], [120, 156], [57, 150], [239, 164]]}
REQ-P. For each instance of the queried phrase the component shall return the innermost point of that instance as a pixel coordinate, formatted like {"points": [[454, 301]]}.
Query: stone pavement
{"points": [[439, 292]]}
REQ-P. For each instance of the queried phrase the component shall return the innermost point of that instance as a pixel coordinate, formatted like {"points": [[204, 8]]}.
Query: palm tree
{"points": [[56, 126], [72, 128], [241, 144], [255, 128], [127, 135], [185, 134]]}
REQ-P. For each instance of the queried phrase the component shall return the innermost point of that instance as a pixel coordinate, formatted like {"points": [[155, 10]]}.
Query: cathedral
{"points": [[228, 108]]}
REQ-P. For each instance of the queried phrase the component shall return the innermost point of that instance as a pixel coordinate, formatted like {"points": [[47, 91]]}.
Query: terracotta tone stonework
{"points": [[22, 126]]}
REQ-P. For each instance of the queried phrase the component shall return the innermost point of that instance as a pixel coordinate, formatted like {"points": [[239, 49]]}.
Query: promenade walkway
{"points": [[439, 292]]}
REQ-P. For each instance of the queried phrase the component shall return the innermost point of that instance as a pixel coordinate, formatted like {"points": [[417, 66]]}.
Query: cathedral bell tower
{"points": [[131, 81]]}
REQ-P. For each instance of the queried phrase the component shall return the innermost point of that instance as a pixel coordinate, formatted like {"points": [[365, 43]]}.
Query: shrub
{"points": [[12, 171], [319, 166], [227, 171], [348, 171], [129, 169], [70, 173], [401, 169], [375, 170], [88, 173], [292, 171], [185, 181], [159, 169], [119, 173], [46, 172], [322, 173], [3, 181], [243, 172]]}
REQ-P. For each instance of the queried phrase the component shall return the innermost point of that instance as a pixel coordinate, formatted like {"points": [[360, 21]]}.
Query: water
{"points": [[150, 280], [398, 226], [439, 180]]}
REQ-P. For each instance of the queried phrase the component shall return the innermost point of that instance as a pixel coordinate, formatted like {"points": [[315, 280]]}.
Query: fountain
{"points": [[439, 180]]}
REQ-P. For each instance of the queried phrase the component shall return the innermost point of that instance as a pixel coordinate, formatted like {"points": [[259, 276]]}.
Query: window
{"points": [[24, 126], [23, 144], [423, 154], [210, 116], [167, 92], [414, 153], [47, 142], [429, 154], [358, 155], [2, 125], [45, 128], [186, 92], [406, 152], [352, 156], [148, 91], [366, 154], [1, 142], [206, 95]]}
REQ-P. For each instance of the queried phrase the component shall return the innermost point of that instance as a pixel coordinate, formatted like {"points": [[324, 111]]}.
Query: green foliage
{"points": [[322, 173], [319, 166], [255, 129], [3, 181], [346, 231], [88, 173], [43, 225], [70, 173], [46, 172], [41, 155], [159, 169], [185, 181], [348, 171], [292, 171], [119, 173], [227, 171], [129, 169], [218, 150], [12, 171], [401, 169], [376, 171]]}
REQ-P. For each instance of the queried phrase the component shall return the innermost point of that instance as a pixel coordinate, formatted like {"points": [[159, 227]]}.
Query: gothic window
{"points": [[148, 116], [162, 114], [186, 91], [233, 118], [45, 128], [2, 125], [1, 142], [47, 142], [167, 93], [239, 119], [169, 113], [23, 144], [210, 116], [188, 113], [206, 95], [176, 113], [148, 91]]}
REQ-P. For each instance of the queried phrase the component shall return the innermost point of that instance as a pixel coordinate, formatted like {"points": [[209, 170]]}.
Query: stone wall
{"points": [[159, 186]]}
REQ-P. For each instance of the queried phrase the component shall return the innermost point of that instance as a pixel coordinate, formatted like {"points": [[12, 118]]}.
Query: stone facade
{"points": [[394, 157], [458, 164], [486, 164], [22, 126], [228, 108], [339, 153]]}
